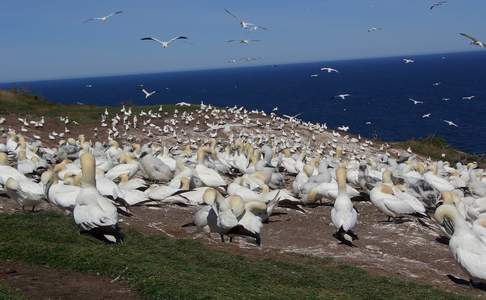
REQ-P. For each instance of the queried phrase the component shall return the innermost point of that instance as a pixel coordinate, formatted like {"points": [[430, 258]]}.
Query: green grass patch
{"points": [[23, 103], [434, 147], [163, 268], [8, 294]]}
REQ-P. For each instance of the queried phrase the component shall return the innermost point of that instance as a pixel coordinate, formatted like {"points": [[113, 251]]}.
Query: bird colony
{"points": [[236, 166]]}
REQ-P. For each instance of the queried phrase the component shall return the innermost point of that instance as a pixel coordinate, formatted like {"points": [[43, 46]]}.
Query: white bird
{"points": [[437, 4], [148, 94], [450, 123], [245, 24], [468, 98], [436, 83], [164, 44], [343, 215], [416, 101], [329, 70], [105, 18], [465, 244], [183, 104], [446, 99], [408, 60], [342, 96], [374, 29], [314, 75], [426, 115], [93, 212], [343, 128], [275, 108], [474, 41], [292, 118], [243, 41]]}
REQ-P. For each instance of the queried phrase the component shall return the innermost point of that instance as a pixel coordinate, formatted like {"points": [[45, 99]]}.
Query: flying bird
{"points": [[275, 108], [474, 41], [245, 24], [374, 29], [244, 41], [342, 96], [468, 98], [436, 83], [329, 70], [164, 44], [183, 104], [148, 94], [426, 115], [408, 60], [450, 123], [292, 118], [415, 101], [437, 4], [446, 99], [314, 75], [105, 18]]}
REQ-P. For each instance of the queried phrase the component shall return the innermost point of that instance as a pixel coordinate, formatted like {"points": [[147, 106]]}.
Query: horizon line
{"points": [[80, 77]]}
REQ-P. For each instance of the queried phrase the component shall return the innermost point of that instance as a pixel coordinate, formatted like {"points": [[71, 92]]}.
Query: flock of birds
{"points": [[237, 171]]}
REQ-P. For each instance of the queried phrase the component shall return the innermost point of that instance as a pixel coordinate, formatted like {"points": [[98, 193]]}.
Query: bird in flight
{"points": [[164, 44], [437, 4], [373, 29], [415, 101], [436, 83], [343, 128], [148, 94], [244, 41], [105, 18], [329, 70], [468, 98], [474, 41], [408, 60], [183, 104], [426, 115], [292, 118], [342, 96], [446, 99], [450, 123], [245, 24], [275, 108], [314, 75]]}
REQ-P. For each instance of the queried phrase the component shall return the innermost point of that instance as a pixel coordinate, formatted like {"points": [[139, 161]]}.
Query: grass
{"points": [[434, 147], [23, 103], [8, 294], [161, 268]]}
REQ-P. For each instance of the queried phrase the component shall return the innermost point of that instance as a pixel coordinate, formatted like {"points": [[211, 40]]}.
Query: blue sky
{"points": [[48, 39]]}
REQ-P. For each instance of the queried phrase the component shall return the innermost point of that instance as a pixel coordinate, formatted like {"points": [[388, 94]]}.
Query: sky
{"points": [[48, 40]]}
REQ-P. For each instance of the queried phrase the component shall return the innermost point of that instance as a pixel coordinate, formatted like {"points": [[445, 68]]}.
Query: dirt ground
{"points": [[35, 282]]}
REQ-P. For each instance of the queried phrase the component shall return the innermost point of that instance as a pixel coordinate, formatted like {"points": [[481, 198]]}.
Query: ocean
{"points": [[379, 104]]}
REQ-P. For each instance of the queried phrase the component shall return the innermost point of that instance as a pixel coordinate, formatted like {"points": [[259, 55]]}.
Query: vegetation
{"points": [[161, 268], [434, 147], [8, 294], [23, 103]]}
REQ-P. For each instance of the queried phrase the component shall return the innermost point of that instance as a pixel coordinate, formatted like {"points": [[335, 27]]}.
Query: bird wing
{"points": [[469, 37], [231, 41], [91, 19], [261, 27], [177, 38], [114, 13], [231, 14], [152, 39]]}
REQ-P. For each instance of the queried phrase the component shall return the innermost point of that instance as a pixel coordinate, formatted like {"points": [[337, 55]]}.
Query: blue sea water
{"points": [[379, 88]]}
